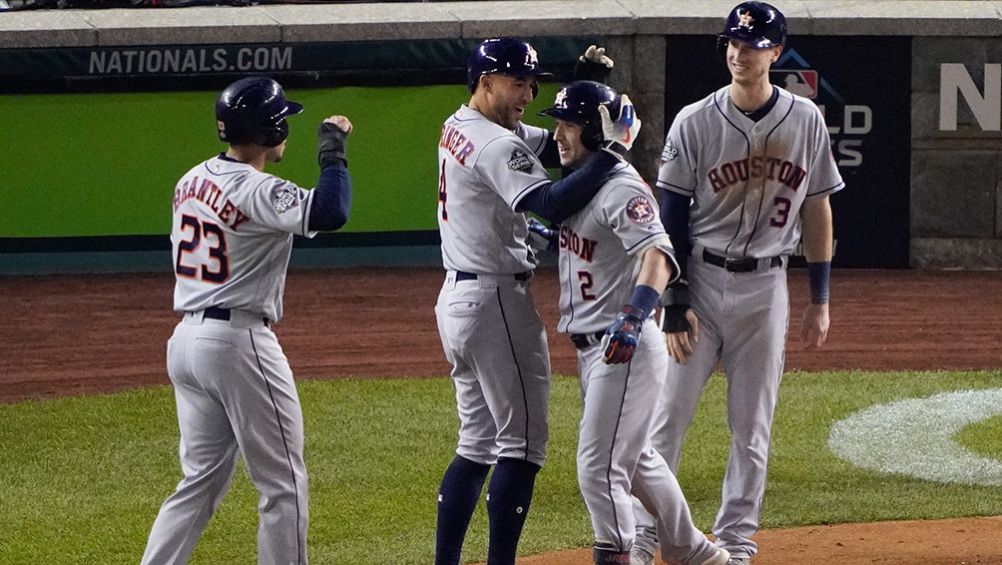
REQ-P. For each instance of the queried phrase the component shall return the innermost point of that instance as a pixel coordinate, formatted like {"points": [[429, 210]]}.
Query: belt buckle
{"points": [[732, 264]]}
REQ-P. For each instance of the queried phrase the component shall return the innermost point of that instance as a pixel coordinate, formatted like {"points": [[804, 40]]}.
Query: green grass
{"points": [[81, 479]]}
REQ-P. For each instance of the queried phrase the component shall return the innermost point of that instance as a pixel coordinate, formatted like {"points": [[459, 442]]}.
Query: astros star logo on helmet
{"points": [[746, 20]]}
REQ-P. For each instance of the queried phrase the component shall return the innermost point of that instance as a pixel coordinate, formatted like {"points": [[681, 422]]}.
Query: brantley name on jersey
{"points": [[208, 193]]}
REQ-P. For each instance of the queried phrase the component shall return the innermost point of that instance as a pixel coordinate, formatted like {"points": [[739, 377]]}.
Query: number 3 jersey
{"points": [[601, 247], [748, 179], [232, 237], [484, 172]]}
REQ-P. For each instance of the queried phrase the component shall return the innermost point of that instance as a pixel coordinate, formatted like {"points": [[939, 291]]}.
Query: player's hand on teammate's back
{"points": [[593, 64], [551, 236], [619, 134], [620, 340], [814, 331], [331, 140]]}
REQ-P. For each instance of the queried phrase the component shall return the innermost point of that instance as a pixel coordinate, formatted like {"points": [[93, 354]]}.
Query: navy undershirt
{"points": [[756, 115], [562, 199]]}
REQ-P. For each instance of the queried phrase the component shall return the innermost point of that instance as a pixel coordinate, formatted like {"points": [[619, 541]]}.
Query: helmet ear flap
{"points": [[591, 135]]}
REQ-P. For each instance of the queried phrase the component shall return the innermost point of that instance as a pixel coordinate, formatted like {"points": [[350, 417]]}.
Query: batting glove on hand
{"points": [[620, 134], [331, 141], [551, 236], [676, 304], [594, 65], [620, 340]]}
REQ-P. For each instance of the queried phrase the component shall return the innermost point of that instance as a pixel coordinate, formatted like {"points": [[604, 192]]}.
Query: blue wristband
{"points": [[820, 274], [644, 300]]}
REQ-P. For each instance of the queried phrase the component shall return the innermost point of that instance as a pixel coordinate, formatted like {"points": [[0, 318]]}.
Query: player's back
{"points": [[484, 171], [232, 237]]}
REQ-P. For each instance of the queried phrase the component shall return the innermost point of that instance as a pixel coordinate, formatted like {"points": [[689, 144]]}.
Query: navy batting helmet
{"points": [[578, 103], [758, 24], [253, 110], [508, 55]]}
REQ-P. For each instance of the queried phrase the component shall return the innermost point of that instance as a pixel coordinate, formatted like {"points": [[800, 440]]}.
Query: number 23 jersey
{"points": [[232, 237]]}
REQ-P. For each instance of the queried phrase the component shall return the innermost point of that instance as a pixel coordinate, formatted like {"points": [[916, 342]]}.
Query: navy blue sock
{"points": [[508, 498], [457, 499]]}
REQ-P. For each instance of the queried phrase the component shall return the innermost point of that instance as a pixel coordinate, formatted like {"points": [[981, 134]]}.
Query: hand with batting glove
{"points": [[594, 65], [679, 321], [332, 136], [619, 134], [622, 337], [552, 236]]}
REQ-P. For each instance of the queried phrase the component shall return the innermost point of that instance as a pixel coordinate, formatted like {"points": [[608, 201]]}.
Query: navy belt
{"points": [[217, 313], [743, 265], [464, 276], [584, 341]]}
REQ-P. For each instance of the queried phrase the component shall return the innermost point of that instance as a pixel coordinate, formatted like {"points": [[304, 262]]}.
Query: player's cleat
{"points": [[721, 557], [640, 556]]}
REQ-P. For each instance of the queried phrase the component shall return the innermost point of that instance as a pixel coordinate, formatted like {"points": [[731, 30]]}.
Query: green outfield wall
{"points": [[85, 165]]}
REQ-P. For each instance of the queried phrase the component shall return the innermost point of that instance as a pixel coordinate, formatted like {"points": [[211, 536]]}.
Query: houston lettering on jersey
{"points": [[456, 143], [208, 193], [578, 245], [771, 168]]}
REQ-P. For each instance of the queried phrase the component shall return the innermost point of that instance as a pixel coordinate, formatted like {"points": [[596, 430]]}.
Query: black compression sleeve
{"points": [[675, 217], [549, 157], [331, 199], [562, 199]]}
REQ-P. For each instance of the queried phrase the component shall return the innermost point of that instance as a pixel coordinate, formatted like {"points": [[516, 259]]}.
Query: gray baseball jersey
{"points": [[601, 250], [485, 171], [490, 330], [232, 237], [748, 180], [234, 389]]}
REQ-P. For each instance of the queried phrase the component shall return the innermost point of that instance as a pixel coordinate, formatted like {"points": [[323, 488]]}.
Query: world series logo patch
{"points": [[640, 210], [285, 198], [519, 161], [670, 151]]}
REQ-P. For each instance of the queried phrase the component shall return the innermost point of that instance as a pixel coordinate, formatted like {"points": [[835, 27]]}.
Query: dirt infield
{"points": [[69, 335]]}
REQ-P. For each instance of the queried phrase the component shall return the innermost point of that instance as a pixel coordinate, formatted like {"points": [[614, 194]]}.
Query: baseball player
{"points": [[614, 252], [490, 177], [232, 237], [746, 172]]}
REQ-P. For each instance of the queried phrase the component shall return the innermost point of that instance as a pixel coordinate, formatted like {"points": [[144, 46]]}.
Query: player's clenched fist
{"points": [[331, 139], [620, 340]]}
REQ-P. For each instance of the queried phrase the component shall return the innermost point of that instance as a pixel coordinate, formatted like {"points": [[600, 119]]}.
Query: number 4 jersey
{"points": [[748, 179], [232, 237]]}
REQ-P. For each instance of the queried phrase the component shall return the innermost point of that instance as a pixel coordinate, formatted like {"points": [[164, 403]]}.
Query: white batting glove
{"points": [[620, 134], [597, 55]]}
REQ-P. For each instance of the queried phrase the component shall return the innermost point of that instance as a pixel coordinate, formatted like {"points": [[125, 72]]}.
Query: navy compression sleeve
{"points": [[675, 217], [560, 200], [331, 199]]}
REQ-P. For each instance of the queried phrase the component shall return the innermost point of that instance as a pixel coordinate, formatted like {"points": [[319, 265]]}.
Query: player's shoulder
{"points": [[625, 178], [476, 126]]}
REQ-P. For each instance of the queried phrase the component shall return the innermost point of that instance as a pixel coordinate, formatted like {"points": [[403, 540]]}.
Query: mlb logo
{"points": [[802, 82]]}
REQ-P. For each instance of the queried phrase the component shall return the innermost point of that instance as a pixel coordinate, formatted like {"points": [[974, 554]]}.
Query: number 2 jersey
{"points": [[601, 247], [232, 237], [748, 179], [484, 172]]}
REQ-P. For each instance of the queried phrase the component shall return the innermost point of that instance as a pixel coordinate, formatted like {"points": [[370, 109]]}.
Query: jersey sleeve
{"points": [[281, 206], [535, 138], [511, 169], [678, 159], [825, 176], [631, 211]]}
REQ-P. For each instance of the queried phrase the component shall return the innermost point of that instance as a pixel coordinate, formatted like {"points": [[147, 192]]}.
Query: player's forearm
{"points": [[331, 199], [562, 199], [655, 270], [817, 239], [816, 219], [675, 217]]}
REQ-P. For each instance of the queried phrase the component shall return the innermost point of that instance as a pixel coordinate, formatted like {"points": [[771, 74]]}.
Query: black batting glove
{"points": [[675, 301], [330, 145]]}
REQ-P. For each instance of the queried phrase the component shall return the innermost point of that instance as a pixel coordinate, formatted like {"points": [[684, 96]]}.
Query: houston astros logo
{"points": [[640, 210], [746, 20], [561, 100]]}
